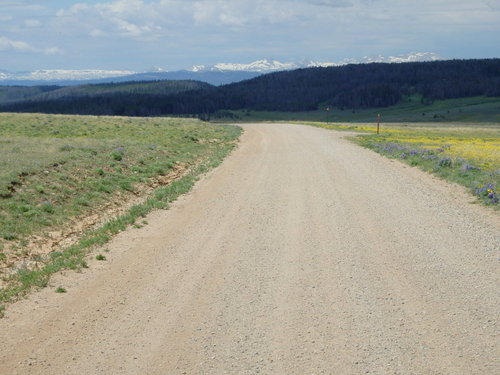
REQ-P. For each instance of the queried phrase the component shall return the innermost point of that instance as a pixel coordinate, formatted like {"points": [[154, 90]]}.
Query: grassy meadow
{"points": [[468, 154], [55, 170], [411, 109]]}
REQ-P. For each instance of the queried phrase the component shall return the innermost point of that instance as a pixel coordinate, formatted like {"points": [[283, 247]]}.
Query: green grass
{"points": [[476, 109], [56, 167], [59, 167]]}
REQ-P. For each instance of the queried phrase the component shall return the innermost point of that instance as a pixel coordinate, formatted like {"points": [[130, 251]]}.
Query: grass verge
{"points": [[200, 146], [467, 155], [74, 257]]}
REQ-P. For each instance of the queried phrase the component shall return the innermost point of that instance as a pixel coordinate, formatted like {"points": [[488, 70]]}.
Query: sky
{"points": [[175, 34]]}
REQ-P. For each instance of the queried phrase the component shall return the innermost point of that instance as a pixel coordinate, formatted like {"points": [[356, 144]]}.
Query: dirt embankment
{"points": [[62, 237]]}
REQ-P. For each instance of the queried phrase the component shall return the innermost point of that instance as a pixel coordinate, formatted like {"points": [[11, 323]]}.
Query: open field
{"points": [[476, 109], [61, 176]]}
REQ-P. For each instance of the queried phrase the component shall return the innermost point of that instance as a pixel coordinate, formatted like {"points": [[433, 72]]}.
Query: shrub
{"points": [[118, 156], [445, 162]]}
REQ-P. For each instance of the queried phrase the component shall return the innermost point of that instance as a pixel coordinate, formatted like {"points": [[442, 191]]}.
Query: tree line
{"points": [[355, 86]]}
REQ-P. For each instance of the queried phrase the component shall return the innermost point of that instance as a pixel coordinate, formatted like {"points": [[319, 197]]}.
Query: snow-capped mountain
{"points": [[270, 65], [411, 57], [217, 74], [260, 66], [64, 75]]}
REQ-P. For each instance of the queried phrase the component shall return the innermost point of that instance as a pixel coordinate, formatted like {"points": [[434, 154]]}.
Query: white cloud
{"points": [[247, 13], [74, 10], [127, 18], [493, 4], [149, 20], [20, 5], [97, 33], [53, 51], [218, 11], [7, 44], [208, 31], [32, 23], [133, 30], [123, 7], [332, 3]]}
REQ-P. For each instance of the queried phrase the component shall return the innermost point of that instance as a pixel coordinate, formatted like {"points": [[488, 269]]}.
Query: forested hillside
{"points": [[351, 87], [70, 93], [20, 93]]}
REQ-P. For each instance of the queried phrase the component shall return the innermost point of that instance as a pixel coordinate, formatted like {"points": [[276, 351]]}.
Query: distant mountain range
{"points": [[343, 88], [85, 77], [218, 74], [270, 65], [63, 75]]}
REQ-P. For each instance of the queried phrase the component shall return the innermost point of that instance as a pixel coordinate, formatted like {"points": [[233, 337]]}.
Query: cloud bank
{"points": [[185, 32]]}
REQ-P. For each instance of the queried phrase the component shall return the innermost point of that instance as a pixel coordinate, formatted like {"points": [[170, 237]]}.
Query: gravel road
{"points": [[302, 254]]}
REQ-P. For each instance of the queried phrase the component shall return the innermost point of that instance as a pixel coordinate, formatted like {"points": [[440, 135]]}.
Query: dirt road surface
{"points": [[302, 254]]}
